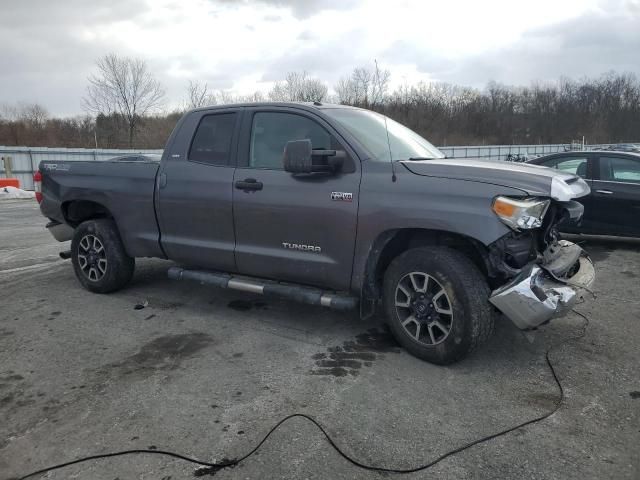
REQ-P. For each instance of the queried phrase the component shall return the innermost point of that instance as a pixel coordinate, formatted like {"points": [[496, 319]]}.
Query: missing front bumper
{"points": [[535, 296]]}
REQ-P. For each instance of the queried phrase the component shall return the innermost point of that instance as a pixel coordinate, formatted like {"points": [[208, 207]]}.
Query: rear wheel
{"points": [[100, 261], [436, 301]]}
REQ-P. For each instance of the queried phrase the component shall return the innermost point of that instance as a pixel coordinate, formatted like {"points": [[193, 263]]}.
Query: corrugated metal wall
{"points": [[25, 160]]}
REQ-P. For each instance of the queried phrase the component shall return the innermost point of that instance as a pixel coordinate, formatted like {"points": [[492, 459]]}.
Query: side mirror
{"points": [[299, 157]]}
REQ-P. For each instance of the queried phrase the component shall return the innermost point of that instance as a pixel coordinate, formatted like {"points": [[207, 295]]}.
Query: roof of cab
{"points": [[300, 105]]}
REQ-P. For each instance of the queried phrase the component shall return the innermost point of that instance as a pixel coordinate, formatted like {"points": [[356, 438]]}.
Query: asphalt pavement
{"points": [[207, 372]]}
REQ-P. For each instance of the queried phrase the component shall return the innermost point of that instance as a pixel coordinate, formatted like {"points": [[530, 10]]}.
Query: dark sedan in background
{"points": [[613, 207], [139, 157]]}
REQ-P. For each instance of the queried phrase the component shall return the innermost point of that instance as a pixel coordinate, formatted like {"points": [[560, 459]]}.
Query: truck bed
{"points": [[119, 186]]}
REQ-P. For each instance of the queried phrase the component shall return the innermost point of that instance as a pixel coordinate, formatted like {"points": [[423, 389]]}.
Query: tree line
{"points": [[124, 108]]}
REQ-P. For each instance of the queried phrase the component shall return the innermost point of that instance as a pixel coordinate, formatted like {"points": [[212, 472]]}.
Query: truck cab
{"points": [[245, 212]]}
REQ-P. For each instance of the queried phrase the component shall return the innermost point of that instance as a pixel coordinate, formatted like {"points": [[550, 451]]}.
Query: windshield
{"points": [[369, 129]]}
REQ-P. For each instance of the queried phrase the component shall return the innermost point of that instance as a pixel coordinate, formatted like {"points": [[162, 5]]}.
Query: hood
{"points": [[534, 180]]}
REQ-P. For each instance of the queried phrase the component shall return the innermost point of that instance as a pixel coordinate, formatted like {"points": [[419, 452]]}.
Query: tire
{"points": [[441, 338], [99, 259]]}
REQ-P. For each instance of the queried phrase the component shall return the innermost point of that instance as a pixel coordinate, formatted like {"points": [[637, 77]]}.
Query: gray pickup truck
{"points": [[334, 206]]}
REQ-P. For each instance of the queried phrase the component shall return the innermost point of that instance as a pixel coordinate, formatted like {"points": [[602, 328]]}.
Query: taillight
{"points": [[37, 185]]}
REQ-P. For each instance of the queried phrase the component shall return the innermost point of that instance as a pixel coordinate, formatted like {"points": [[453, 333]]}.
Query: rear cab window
{"points": [[211, 142]]}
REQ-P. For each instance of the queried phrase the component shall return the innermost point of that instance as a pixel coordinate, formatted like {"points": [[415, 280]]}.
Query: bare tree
{"points": [[298, 87], [379, 84], [256, 96], [229, 97], [198, 95], [25, 122], [365, 87], [34, 115], [123, 86], [226, 96], [604, 109]]}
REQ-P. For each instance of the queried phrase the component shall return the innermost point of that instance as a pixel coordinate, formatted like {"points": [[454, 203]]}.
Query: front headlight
{"points": [[520, 213]]}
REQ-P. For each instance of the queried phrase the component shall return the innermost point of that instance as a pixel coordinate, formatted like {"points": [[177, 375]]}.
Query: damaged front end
{"points": [[545, 276], [537, 294]]}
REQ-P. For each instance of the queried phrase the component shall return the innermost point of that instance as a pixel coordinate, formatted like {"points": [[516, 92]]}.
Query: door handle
{"points": [[163, 180], [248, 184], [605, 192]]}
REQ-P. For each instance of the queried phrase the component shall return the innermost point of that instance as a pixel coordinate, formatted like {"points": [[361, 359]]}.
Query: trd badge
{"points": [[342, 196]]}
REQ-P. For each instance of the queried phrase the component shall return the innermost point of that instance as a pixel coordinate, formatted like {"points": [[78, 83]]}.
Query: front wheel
{"points": [[436, 302], [100, 261]]}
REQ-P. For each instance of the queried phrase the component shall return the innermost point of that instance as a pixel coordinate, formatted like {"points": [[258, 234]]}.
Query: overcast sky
{"points": [[48, 48]]}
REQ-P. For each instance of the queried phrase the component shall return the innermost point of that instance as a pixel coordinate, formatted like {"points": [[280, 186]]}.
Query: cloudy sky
{"points": [[48, 48]]}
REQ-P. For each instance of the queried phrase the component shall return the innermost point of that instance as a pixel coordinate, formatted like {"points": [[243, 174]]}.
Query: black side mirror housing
{"points": [[300, 157]]}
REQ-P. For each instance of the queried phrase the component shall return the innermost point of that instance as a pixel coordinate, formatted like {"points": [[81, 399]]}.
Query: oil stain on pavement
{"points": [[163, 353], [352, 355], [14, 393]]}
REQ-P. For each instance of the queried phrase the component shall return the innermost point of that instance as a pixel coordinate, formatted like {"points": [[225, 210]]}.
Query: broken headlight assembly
{"points": [[521, 213]]}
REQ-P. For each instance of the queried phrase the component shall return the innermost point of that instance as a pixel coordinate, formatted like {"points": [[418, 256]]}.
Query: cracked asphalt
{"points": [[208, 372]]}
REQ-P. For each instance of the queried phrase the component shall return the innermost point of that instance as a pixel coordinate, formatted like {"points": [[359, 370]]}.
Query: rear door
{"points": [[195, 190], [298, 228], [616, 191]]}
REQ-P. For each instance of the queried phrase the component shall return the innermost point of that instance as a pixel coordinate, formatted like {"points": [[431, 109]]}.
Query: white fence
{"points": [[25, 160]]}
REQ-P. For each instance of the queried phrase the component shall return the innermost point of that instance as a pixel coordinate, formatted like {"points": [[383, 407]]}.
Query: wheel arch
{"points": [[77, 211], [391, 243]]}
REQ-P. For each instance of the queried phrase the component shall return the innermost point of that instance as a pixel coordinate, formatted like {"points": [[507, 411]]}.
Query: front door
{"points": [[298, 228], [195, 190], [616, 195], [580, 164]]}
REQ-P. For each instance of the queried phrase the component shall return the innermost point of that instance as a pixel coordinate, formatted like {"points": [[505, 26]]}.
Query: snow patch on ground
{"points": [[13, 192]]}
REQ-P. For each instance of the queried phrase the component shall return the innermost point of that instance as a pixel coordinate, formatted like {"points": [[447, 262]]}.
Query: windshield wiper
{"points": [[415, 159]]}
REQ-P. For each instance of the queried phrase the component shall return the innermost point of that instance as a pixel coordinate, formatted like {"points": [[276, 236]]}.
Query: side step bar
{"points": [[299, 293]]}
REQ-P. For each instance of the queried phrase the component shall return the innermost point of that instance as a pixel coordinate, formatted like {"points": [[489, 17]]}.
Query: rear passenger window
{"points": [[616, 169], [212, 141]]}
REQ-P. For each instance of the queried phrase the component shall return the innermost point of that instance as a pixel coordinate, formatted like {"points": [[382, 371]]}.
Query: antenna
{"points": [[393, 167]]}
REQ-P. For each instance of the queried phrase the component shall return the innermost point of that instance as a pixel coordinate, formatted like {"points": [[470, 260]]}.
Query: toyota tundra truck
{"points": [[334, 206]]}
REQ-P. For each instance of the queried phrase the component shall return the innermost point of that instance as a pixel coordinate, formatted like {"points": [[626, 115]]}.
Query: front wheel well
{"points": [[392, 243], [77, 211]]}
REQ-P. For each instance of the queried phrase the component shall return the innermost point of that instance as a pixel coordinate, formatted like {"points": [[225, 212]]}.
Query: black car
{"points": [[138, 157], [613, 207], [626, 147]]}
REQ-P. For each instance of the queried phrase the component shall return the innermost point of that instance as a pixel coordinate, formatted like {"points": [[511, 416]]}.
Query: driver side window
{"points": [[270, 131]]}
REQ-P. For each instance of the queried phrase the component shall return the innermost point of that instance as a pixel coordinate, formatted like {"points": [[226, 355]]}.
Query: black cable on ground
{"points": [[208, 468]]}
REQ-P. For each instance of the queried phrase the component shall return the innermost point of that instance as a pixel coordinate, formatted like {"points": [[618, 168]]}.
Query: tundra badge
{"points": [[297, 246]]}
